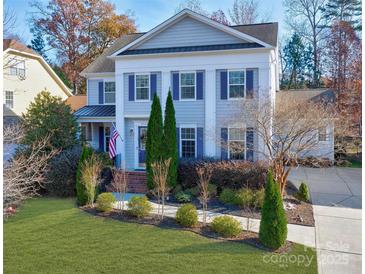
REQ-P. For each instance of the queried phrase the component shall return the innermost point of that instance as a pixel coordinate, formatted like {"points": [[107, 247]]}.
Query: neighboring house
{"points": [[25, 75], [209, 68], [76, 102]]}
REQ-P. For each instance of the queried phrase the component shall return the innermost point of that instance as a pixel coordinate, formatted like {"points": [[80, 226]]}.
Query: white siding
{"points": [[189, 32]]}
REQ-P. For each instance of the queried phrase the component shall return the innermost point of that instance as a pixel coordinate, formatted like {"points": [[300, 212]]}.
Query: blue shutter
{"points": [[224, 85], [131, 87], [199, 85], [249, 83], [153, 85], [175, 86], [101, 92], [249, 144], [101, 138], [178, 141], [224, 143], [200, 143]]}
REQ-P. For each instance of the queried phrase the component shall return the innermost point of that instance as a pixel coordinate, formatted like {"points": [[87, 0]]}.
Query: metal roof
{"points": [[191, 48], [96, 111]]}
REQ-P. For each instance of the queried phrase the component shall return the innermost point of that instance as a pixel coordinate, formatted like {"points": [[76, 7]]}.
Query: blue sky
{"points": [[148, 13]]}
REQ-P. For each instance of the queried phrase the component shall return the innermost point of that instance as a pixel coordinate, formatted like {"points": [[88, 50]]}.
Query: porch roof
{"points": [[96, 111]]}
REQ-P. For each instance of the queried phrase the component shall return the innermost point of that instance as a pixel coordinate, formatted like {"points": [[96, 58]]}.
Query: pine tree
{"points": [[154, 139], [169, 140], [80, 188], [273, 226]]}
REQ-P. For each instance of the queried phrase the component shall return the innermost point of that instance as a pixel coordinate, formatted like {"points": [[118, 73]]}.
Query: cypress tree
{"points": [[273, 226], [154, 139], [80, 188], [169, 140]]}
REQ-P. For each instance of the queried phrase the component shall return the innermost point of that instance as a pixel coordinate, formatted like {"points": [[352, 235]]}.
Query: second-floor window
{"points": [[188, 142], [109, 93], [187, 86], [236, 84], [17, 68], [236, 144], [142, 87], [9, 99]]}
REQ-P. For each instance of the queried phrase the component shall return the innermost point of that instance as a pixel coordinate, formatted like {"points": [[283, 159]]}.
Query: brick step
{"points": [[137, 182]]}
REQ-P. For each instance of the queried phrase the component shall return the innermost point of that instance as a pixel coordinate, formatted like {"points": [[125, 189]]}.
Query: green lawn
{"points": [[54, 236], [356, 163]]}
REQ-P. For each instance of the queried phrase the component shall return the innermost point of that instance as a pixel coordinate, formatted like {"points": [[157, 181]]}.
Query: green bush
{"points": [[259, 197], [183, 197], [139, 206], [244, 197], [273, 225], [195, 191], [228, 196], [105, 202], [226, 226], [80, 188], [303, 192], [187, 215]]}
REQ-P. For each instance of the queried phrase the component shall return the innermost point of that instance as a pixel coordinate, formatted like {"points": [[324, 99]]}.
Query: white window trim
{"points": [[196, 139], [188, 99], [105, 137], [115, 91], [244, 91], [149, 87], [5, 99], [244, 141], [322, 141]]}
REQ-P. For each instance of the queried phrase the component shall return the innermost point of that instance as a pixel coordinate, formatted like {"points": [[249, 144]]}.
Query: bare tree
{"points": [[90, 175], [24, 175], [9, 20], [204, 174], [120, 184], [246, 12], [194, 5], [160, 171], [13, 133], [306, 18], [286, 131]]}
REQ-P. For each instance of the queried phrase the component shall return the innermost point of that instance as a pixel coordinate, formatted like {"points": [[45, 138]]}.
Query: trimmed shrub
{"points": [[226, 174], [303, 192], [245, 197], [139, 206], [105, 202], [228, 196], [259, 197], [61, 174], [183, 197], [226, 226], [80, 188], [195, 191], [187, 215], [273, 225]]}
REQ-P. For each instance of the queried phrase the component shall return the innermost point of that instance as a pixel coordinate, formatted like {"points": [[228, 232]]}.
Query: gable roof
{"points": [[15, 47], [314, 95], [264, 33]]}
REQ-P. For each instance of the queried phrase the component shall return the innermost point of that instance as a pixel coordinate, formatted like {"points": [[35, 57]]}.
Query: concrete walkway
{"points": [[336, 195]]}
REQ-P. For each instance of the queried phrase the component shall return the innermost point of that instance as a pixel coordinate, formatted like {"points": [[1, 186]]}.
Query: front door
{"points": [[142, 137]]}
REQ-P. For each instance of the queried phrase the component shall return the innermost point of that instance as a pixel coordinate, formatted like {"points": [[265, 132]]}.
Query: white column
{"points": [[119, 115], [210, 140], [165, 86]]}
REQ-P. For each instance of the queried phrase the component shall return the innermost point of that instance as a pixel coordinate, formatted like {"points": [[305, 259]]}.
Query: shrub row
{"points": [[245, 197], [226, 174]]}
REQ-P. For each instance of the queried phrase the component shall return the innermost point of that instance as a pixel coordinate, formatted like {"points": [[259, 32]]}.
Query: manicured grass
{"points": [[53, 236]]}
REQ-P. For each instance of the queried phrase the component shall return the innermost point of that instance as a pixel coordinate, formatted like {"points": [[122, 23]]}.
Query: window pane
{"points": [[237, 150], [236, 134], [237, 77], [109, 98], [9, 99], [236, 91], [109, 86], [142, 81], [188, 149], [142, 93], [188, 133], [13, 71], [187, 79], [187, 93]]}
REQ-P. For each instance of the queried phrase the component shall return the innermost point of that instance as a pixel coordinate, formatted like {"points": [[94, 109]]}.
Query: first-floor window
{"points": [[9, 99], [236, 143], [322, 134], [188, 142], [107, 138]]}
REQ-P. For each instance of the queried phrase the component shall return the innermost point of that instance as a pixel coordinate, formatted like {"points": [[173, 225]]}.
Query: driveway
{"points": [[336, 197]]}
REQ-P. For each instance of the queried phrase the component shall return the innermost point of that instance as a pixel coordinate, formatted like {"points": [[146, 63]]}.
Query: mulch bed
{"points": [[246, 237]]}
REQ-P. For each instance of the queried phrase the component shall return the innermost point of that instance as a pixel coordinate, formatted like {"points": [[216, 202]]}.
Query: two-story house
{"points": [[209, 68], [26, 74]]}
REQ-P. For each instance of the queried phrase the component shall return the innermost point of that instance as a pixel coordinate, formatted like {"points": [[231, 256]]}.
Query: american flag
{"points": [[112, 143]]}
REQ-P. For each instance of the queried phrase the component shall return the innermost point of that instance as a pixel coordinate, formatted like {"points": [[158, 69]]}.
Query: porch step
{"points": [[137, 182]]}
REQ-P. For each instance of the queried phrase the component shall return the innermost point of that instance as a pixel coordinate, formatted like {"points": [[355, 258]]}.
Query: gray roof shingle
{"points": [[96, 111]]}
